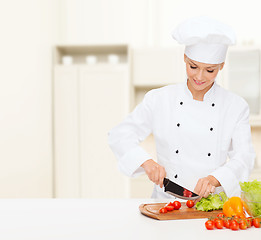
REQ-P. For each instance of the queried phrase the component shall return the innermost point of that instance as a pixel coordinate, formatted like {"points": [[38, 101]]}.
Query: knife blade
{"points": [[178, 191]]}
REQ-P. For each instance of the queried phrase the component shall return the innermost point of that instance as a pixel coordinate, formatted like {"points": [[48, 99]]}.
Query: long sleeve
{"points": [[241, 156], [125, 138]]}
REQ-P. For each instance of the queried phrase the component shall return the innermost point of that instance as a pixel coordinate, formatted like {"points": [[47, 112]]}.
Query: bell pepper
{"points": [[234, 207]]}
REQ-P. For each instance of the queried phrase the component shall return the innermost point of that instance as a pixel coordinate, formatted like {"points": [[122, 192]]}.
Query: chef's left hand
{"points": [[205, 186]]}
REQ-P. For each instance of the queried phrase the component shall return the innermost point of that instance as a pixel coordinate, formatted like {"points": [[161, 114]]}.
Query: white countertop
{"points": [[105, 219]]}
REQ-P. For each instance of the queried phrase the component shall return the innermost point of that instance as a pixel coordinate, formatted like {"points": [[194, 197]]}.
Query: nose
{"points": [[199, 75]]}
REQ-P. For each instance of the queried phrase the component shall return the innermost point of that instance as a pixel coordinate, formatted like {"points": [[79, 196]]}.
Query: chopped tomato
{"points": [[163, 210], [176, 205], [170, 208], [187, 193], [169, 204]]}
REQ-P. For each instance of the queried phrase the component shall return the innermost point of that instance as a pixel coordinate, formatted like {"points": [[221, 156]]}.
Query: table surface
{"points": [[99, 219]]}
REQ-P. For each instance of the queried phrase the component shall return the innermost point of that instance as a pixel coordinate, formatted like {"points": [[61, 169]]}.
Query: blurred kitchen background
{"points": [[73, 69]]}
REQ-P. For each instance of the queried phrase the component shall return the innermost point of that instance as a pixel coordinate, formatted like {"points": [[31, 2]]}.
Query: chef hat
{"points": [[206, 39]]}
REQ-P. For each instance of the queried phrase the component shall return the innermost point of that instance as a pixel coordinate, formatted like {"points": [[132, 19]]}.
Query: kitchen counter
{"points": [[104, 219]]}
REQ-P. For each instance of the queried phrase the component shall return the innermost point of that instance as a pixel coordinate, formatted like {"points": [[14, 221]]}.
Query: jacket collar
{"points": [[208, 95]]}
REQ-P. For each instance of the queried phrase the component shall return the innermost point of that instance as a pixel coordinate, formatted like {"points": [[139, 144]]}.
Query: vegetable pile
{"points": [[212, 202], [176, 205], [233, 223], [251, 196]]}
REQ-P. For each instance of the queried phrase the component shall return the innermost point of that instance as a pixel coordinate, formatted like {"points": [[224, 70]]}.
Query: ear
{"points": [[221, 66], [185, 56]]}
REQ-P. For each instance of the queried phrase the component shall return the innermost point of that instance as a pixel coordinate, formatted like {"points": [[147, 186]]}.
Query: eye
{"points": [[210, 71], [193, 67]]}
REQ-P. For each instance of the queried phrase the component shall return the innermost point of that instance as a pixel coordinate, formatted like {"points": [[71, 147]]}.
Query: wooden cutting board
{"points": [[152, 210]]}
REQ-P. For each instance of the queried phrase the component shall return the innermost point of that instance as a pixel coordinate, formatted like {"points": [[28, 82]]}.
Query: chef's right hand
{"points": [[155, 172]]}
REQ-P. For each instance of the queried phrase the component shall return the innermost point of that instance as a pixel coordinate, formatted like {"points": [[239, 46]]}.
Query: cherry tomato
{"points": [[221, 215], [214, 220], [169, 204], [249, 221], [234, 225], [227, 223], [169, 208], [163, 210], [243, 224], [190, 203], [176, 205], [219, 224], [237, 218], [209, 225], [256, 222]]}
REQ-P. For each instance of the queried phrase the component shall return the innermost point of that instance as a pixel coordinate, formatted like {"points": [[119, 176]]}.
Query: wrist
{"points": [[143, 165]]}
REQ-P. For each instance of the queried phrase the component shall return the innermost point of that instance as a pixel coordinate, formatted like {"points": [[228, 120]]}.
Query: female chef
{"points": [[197, 125]]}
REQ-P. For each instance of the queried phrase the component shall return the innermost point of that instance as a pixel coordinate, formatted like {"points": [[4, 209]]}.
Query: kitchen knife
{"points": [[178, 191]]}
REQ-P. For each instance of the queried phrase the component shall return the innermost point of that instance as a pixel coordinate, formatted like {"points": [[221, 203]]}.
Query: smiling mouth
{"points": [[198, 83]]}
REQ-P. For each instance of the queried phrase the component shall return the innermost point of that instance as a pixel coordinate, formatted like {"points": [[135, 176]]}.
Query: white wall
{"points": [[149, 22], [28, 31]]}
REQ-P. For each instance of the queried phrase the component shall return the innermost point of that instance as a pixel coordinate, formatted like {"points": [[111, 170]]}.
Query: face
{"points": [[201, 76]]}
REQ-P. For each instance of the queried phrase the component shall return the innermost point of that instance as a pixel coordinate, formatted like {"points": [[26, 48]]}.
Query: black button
{"points": [[209, 154], [181, 103], [177, 151], [178, 124], [213, 104], [176, 176], [211, 129]]}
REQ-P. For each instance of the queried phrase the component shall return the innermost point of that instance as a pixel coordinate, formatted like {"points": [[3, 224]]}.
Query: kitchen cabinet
{"points": [[66, 130], [242, 76], [89, 99], [103, 102]]}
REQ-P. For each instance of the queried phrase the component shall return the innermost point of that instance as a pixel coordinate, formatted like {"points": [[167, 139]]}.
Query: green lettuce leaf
{"points": [[251, 194], [212, 202]]}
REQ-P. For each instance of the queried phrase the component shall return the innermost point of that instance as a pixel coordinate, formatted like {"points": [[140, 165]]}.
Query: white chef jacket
{"points": [[193, 138]]}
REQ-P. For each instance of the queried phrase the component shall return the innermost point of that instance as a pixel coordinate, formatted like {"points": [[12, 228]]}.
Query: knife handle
{"points": [[165, 182]]}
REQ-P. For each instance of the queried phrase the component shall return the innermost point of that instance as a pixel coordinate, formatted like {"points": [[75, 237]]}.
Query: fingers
{"points": [[160, 173], [162, 176], [154, 171], [204, 187], [204, 191]]}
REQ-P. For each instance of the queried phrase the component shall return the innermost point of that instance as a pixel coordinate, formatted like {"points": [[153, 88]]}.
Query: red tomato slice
{"points": [[177, 205], [187, 193], [170, 208], [163, 210]]}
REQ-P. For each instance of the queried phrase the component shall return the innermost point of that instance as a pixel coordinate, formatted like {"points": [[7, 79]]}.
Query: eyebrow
{"points": [[214, 66]]}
